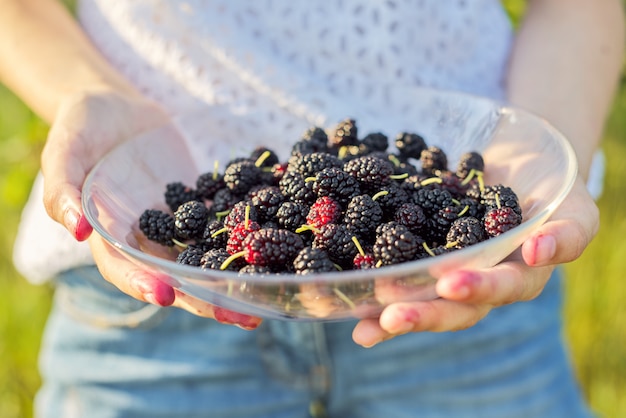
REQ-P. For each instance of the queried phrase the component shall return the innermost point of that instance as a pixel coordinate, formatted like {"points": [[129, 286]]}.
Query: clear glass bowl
{"points": [[520, 150]]}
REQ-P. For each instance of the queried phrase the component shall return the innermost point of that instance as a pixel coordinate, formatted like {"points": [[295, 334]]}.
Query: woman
{"points": [[240, 70]]}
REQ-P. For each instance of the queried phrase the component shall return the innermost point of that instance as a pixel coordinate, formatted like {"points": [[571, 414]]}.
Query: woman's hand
{"points": [[86, 127], [468, 296], [564, 67]]}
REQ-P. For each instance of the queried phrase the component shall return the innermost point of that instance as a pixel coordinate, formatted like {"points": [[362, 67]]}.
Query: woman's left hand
{"points": [[467, 296]]}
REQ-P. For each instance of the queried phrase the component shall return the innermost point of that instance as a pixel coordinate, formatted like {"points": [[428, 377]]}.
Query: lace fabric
{"points": [[269, 69], [238, 74]]}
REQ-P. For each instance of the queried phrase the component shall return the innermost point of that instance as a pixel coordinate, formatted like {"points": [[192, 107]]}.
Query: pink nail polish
{"points": [[545, 249], [225, 316], [83, 229], [77, 225], [467, 280], [406, 319], [153, 290]]}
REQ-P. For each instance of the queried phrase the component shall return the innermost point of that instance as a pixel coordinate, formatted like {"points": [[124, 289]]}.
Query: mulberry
{"points": [[157, 226], [177, 193], [362, 216], [190, 220], [410, 145], [346, 134], [371, 172], [336, 184], [464, 232], [312, 260], [433, 159], [241, 176], [395, 244]]}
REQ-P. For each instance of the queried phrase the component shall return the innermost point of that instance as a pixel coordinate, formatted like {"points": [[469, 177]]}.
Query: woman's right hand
{"points": [[85, 128]]}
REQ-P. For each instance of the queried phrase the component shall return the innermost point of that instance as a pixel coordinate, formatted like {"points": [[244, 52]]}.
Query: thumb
{"points": [[64, 173], [568, 232]]}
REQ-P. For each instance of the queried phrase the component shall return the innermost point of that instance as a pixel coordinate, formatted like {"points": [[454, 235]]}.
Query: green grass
{"points": [[595, 292], [23, 307], [595, 312]]}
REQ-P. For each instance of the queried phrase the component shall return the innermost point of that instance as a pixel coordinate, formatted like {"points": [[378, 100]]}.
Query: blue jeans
{"points": [[107, 355]]}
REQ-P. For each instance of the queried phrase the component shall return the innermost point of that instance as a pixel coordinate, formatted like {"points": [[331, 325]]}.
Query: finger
{"points": [[368, 332], [438, 315], [557, 242], [144, 285], [566, 235], [152, 287], [243, 321], [64, 174], [222, 315], [502, 284]]}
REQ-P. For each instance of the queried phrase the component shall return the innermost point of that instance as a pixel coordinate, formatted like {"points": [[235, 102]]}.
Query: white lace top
{"points": [[249, 73]]}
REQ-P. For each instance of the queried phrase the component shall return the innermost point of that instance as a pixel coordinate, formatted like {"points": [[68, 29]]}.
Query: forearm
{"points": [[565, 65], [45, 57]]}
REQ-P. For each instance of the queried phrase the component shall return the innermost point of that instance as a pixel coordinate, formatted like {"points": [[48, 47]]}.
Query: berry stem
{"points": [[306, 227], [259, 161], [222, 214], [394, 160], [463, 212], [179, 244], [218, 232], [431, 180], [215, 167], [399, 176], [379, 194], [469, 177], [344, 298], [232, 258], [358, 245], [428, 250], [481, 182]]}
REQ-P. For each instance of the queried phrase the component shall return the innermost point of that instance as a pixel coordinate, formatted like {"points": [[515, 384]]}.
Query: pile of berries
{"points": [[340, 202]]}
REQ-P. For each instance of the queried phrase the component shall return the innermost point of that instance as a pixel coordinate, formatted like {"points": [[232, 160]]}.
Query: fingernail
{"points": [[153, 290], [545, 249], [245, 322], [462, 290], [463, 287], [407, 318], [78, 225], [164, 295], [162, 301], [372, 344], [83, 229]]}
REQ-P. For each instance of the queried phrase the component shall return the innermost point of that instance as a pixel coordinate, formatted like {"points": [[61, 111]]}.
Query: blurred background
{"points": [[594, 311]]}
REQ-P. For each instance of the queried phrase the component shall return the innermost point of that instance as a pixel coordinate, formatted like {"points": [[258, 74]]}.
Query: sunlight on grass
{"points": [[595, 312], [23, 307]]}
